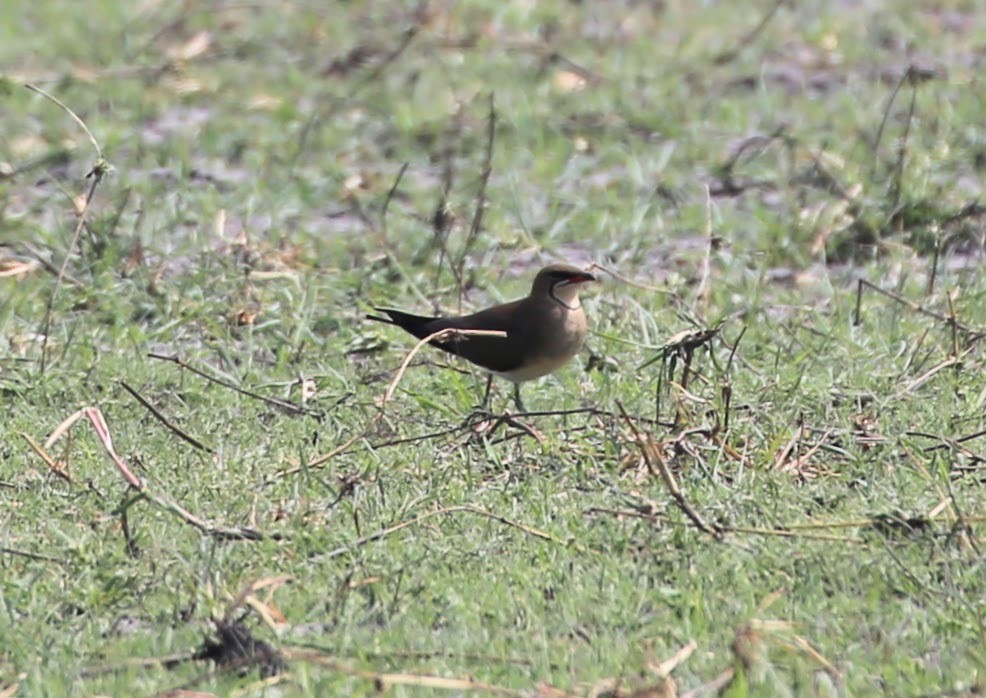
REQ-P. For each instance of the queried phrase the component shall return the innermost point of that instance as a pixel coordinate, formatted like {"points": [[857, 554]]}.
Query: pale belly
{"points": [[536, 369]]}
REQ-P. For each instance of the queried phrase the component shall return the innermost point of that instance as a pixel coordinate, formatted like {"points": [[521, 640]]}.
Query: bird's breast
{"points": [[534, 368], [550, 343]]}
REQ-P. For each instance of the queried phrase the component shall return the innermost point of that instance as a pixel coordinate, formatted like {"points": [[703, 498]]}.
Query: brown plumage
{"points": [[544, 330]]}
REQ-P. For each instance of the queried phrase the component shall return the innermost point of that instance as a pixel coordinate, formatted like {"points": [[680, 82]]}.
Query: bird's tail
{"points": [[418, 325]]}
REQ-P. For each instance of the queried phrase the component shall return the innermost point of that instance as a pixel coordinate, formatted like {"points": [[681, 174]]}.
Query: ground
{"points": [[760, 478]]}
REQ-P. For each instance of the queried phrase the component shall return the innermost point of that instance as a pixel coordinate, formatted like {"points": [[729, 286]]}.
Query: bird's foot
{"points": [[480, 415], [483, 424]]}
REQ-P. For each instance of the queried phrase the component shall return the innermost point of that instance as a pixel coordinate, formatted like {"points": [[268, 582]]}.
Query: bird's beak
{"points": [[583, 278]]}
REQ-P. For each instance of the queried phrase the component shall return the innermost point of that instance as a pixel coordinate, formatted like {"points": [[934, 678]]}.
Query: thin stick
{"points": [[423, 655], [383, 533], [390, 195], [443, 219], [643, 443], [780, 532], [406, 38], [628, 281], [98, 171], [935, 258], [468, 424], [53, 465], [72, 114], [383, 681], [32, 556], [477, 218], [751, 36], [902, 148], [164, 420], [49, 267], [704, 289], [95, 417], [932, 372], [972, 332], [946, 442], [857, 317], [284, 404]]}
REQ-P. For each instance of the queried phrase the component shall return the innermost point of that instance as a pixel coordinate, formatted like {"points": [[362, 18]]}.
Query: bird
{"points": [[544, 331]]}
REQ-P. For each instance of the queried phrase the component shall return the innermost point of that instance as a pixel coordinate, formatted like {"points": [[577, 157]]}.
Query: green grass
{"points": [[242, 229]]}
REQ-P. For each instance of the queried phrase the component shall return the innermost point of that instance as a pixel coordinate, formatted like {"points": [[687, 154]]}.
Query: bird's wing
{"points": [[500, 354]]}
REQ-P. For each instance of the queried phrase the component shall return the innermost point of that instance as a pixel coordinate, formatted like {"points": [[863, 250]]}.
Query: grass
{"points": [[723, 174]]}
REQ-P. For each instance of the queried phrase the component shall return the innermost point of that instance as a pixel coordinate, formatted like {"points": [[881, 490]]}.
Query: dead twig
{"points": [[95, 417], [283, 404], [628, 281], [53, 465], [32, 556], [947, 443], [782, 533], [424, 655], [100, 169], [165, 421], [913, 385], [386, 202], [748, 38], [36, 254], [972, 333], [652, 456], [468, 508], [477, 218], [384, 681], [506, 419]]}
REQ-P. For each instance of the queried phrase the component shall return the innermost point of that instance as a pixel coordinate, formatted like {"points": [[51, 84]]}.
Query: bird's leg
{"points": [[486, 395], [481, 416], [512, 421], [485, 428], [517, 400]]}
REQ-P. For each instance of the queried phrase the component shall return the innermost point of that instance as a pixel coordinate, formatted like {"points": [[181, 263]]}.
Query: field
{"points": [[761, 478]]}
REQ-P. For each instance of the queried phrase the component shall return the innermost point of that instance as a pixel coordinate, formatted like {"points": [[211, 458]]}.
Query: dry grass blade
{"points": [[272, 583], [165, 421], [64, 427], [785, 463], [52, 464], [383, 681], [704, 289], [284, 404], [972, 333], [383, 533], [98, 422], [932, 372], [674, 661], [73, 115], [95, 417], [651, 454], [99, 170]]}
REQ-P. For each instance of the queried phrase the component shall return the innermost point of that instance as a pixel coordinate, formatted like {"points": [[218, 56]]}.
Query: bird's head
{"points": [[561, 283]]}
